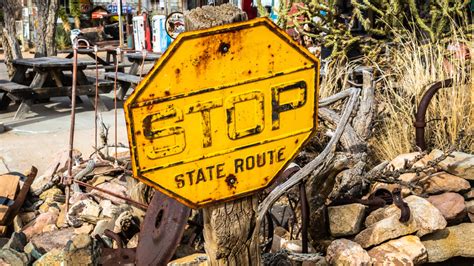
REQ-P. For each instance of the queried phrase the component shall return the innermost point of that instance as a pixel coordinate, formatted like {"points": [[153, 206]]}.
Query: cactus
{"points": [[382, 21]]}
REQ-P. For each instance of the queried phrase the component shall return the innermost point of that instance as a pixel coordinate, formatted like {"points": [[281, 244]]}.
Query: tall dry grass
{"points": [[404, 75], [412, 67]]}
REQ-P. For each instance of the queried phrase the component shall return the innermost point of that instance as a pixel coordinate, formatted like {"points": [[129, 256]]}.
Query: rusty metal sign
{"points": [[222, 112]]}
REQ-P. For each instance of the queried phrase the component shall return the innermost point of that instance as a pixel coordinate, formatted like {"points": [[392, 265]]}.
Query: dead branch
{"points": [[317, 165]]}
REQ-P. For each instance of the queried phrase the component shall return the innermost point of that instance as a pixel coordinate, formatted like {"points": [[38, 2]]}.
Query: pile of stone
{"points": [[43, 233], [439, 226]]}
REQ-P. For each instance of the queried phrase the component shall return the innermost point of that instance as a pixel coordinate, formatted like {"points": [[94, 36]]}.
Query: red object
{"points": [[248, 8], [147, 33]]}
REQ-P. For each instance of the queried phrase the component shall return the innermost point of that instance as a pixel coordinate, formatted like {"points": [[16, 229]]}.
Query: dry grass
{"points": [[409, 69], [413, 67]]}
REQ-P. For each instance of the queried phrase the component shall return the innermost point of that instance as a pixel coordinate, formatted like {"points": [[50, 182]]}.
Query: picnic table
{"points": [[50, 79], [131, 79]]}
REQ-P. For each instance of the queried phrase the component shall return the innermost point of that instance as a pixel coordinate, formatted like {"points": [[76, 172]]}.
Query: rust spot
{"points": [[296, 141], [167, 93], [231, 180], [177, 71], [249, 72]]}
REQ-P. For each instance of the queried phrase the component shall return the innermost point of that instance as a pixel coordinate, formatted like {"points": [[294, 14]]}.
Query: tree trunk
{"points": [[228, 227], [46, 27], [11, 47]]}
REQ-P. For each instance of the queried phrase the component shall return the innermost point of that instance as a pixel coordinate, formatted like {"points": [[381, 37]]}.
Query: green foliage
{"points": [[63, 40], [382, 20]]}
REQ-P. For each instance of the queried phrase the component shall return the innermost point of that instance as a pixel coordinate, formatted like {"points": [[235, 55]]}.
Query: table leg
{"points": [[23, 109], [122, 91], [134, 68], [20, 74], [4, 101], [82, 80]]}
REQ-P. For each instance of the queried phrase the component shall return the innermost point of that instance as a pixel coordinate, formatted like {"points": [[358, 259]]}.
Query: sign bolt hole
{"points": [[224, 47], [231, 180]]}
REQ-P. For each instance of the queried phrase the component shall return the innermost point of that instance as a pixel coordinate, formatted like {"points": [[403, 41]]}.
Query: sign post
{"points": [[221, 114]]}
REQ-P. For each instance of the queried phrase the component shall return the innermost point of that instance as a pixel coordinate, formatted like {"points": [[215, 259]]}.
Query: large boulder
{"points": [[458, 163], [444, 182], [451, 205], [346, 220], [424, 219], [450, 242], [347, 253], [401, 251]]}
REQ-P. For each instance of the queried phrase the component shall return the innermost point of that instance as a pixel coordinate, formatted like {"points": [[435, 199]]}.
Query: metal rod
{"points": [[72, 128], [115, 105], [96, 100], [134, 202], [304, 217], [423, 107]]}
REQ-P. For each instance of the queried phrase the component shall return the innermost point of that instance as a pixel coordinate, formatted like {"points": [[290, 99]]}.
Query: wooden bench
{"points": [[12, 91], [111, 68], [126, 81]]}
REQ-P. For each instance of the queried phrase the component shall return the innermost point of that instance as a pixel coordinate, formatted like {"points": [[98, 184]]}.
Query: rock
{"points": [[36, 226], [50, 228], [469, 195], [81, 209], [197, 259], [13, 257], [61, 222], [3, 241], [102, 225], [17, 223], [346, 252], [470, 210], [33, 251], [17, 242], [133, 242], [280, 243], [400, 161], [81, 251], [78, 251], [51, 240], [109, 209], [86, 228], [346, 220], [27, 217], [444, 182], [50, 193], [282, 213], [54, 257], [407, 249], [451, 205], [450, 242], [385, 224], [112, 187], [458, 163]]}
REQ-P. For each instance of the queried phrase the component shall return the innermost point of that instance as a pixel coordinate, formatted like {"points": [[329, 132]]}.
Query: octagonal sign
{"points": [[222, 112]]}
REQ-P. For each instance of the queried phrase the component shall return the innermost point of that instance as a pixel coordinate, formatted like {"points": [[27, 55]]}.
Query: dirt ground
{"points": [[45, 132]]}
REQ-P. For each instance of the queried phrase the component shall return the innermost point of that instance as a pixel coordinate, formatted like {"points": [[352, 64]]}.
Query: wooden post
{"points": [[228, 227]]}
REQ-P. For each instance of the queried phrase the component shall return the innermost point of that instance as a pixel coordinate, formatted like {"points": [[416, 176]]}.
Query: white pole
{"points": [[119, 11]]}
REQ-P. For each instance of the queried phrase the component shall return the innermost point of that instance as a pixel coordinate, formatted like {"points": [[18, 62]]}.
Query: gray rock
{"points": [[51, 240], [347, 253], [102, 225], [450, 242], [33, 251], [13, 257], [17, 242], [346, 220], [424, 219]]}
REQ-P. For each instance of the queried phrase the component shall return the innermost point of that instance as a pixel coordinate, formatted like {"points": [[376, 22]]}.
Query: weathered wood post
{"points": [[228, 227]]}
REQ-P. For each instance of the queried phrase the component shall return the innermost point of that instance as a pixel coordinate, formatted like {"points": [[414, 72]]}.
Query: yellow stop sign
{"points": [[222, 112]]}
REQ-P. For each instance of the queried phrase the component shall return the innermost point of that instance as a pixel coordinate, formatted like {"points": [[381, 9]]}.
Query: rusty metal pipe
{"points": [[420, 122], [304, 218], [72, 127], [133, 202]]}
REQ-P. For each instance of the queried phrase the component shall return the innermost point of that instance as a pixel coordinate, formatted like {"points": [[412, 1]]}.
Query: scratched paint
{"points": [[222, 112]]}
